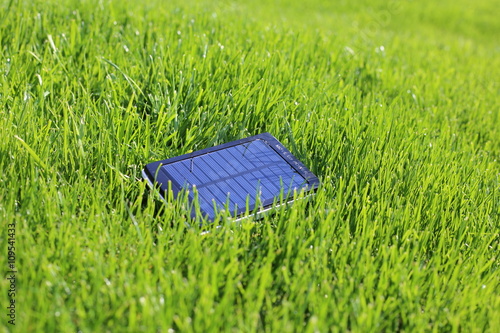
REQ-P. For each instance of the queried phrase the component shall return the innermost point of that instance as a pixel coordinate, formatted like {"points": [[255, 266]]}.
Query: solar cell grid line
{"points": [[257, 172], [210, 160], [225, 194], [234, 173], [218, 169], [221, 200], [236, 191], [280, 168], [277, 159], [246, 152], [180, 172], [266, 190], [235, 161], [229, 160], [280, 183], [257, 175], [266, 151], [214, 163], [288, 179], [254, 149], [203, 167], [191, 178], [237, 188], [248, 170], [174, 170], [243, 173], [276, 183], [234, 196], [252, 154], [205, 205], [240, 191], [220, 194], [196, 169]]}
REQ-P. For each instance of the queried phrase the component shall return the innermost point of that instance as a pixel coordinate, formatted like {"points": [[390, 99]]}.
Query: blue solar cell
{"points": [[235, 174]]}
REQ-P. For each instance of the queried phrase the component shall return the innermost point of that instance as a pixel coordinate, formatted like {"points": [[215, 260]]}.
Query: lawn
{"points": [[393, 104]]}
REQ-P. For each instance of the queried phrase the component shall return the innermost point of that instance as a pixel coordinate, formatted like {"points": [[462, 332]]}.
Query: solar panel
{"points": [[251, 172]]}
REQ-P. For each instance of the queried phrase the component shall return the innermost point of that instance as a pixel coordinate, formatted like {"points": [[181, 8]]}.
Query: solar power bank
{"points": [[247, 175]]}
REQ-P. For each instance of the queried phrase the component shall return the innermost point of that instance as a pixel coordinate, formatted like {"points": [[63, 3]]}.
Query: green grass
{"points": [[394, 105]]}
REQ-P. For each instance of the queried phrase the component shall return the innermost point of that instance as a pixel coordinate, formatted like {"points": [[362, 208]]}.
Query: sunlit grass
{"points": [[393, 105]]}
